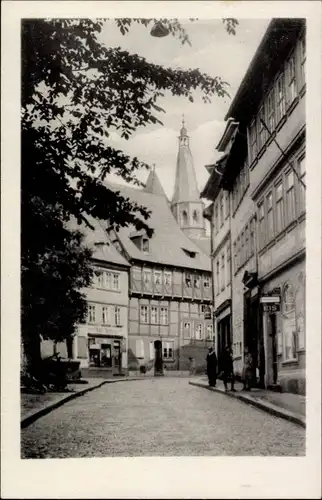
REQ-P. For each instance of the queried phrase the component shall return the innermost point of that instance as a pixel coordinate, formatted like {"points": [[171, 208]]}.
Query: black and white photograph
{"points": [[163, 237]]}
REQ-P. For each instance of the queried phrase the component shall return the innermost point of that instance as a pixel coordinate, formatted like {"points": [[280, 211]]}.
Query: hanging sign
{"points": [[271, 308], [270, 299]]}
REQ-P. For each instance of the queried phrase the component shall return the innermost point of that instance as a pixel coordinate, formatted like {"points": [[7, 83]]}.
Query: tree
{"points": [[75, 91]]}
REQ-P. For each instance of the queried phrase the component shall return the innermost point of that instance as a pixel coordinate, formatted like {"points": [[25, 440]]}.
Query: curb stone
{"points": [[262, 405], [26, 421]]}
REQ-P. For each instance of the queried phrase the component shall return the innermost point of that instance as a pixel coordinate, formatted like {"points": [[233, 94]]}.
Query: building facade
{"points": [[170, 286], [264, 173]]}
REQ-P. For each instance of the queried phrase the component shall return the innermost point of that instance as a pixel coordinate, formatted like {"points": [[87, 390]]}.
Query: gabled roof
{"points": [[153, 184], [168, 241], [98, 241]]}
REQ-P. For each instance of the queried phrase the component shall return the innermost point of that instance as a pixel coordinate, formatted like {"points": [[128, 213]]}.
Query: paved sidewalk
{"points": [[285, 405], [34, 406]]}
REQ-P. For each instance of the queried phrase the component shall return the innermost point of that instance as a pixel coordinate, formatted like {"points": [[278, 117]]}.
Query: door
{"points": [[252, 331], [272, 319], [117, 365]]}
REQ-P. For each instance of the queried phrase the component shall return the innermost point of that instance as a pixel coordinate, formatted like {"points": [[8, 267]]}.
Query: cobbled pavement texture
{"points": [[159, 417]]}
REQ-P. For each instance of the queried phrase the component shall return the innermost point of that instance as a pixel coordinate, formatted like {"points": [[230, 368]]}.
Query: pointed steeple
{"points": [[153, 184], [185, 188], [186, 205]]}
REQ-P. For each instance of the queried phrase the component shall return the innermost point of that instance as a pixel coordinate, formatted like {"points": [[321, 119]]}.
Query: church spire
{"points": [[186, 204], [153, 184]]}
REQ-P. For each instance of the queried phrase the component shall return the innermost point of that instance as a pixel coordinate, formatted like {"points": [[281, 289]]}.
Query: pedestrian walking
{"points": [[227, 367], [192, 366], [247, 370], [212, 367]]}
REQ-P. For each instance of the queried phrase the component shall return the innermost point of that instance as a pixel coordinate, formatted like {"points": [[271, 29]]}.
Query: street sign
{"points": [[270, 300], [271, 308]]}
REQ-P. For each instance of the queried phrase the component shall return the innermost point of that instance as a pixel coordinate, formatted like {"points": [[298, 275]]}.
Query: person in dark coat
{"points": [[212, 367], [227, 367]]}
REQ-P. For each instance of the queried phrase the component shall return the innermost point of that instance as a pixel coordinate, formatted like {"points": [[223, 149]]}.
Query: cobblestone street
{"points": [[160, 417]]}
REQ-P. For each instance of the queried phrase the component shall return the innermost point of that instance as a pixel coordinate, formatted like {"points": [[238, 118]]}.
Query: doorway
{"points": [[253, 337], [272, 372]]}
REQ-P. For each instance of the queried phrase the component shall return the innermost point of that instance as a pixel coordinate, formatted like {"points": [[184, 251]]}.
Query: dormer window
{"points": [[145, 245], [190, 253]]}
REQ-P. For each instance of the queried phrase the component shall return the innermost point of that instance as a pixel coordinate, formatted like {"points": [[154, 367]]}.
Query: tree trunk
{"points": [[32, 352]]}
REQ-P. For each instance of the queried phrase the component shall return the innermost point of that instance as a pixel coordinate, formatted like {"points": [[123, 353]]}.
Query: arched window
{"points": [[195, 216], [184, 218], [289, 323]]}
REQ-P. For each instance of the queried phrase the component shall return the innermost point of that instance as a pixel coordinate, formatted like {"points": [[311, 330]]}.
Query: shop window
{"points": [[167, 350], [198, 331], [289, 323]]}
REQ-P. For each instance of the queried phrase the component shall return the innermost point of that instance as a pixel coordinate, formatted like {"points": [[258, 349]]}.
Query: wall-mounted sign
{"points": [[270, 299], [271, 308]]}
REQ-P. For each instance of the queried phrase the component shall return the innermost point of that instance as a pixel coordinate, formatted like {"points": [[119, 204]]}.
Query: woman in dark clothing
{"points": [[212, 367], [227, 368]]}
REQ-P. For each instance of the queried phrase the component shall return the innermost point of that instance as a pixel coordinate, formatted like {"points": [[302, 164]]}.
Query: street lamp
{"points": [[159, 30]]}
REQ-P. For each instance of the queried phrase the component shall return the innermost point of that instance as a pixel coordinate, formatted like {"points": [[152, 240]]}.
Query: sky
{"points": [[214, 52]]}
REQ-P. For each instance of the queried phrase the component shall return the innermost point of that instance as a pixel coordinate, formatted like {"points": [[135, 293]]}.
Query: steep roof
{"points": [[98, 241], [185, 187], [168, 245], [203, 243], [153, 184]]}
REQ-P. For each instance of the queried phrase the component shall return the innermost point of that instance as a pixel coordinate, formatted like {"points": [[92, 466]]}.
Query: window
{"points": [[291, 79], [223, 271], [184, 218], [303, 58], [196, 281], [187, 280], [144, 315], [247, 246], [279, 207], [235, 255], [252, 237], [280, 90], [139, 348], [290, 197], [157, 277], [253, 141], [242, 248], [246, 168], [261, 128], [167, 278], [198, 331], [105, 315], [145, 245], [270, 217], [271, 111], [116, 281], [147, 276], [206, 281], [91, 313], [167, 350], [217, 276], [117, 316], [221, 201], [108, 281], [289, 323], [216, 217], [301, 171], [100, 279], [164, 316], [261, 224], [227, 204], [228, 264], [195, 217], [187, 329], [209, 331], [154, 315], [238, 252]]}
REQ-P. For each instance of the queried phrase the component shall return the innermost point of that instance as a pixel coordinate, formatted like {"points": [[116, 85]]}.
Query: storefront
{"points": [[105, 352]]}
